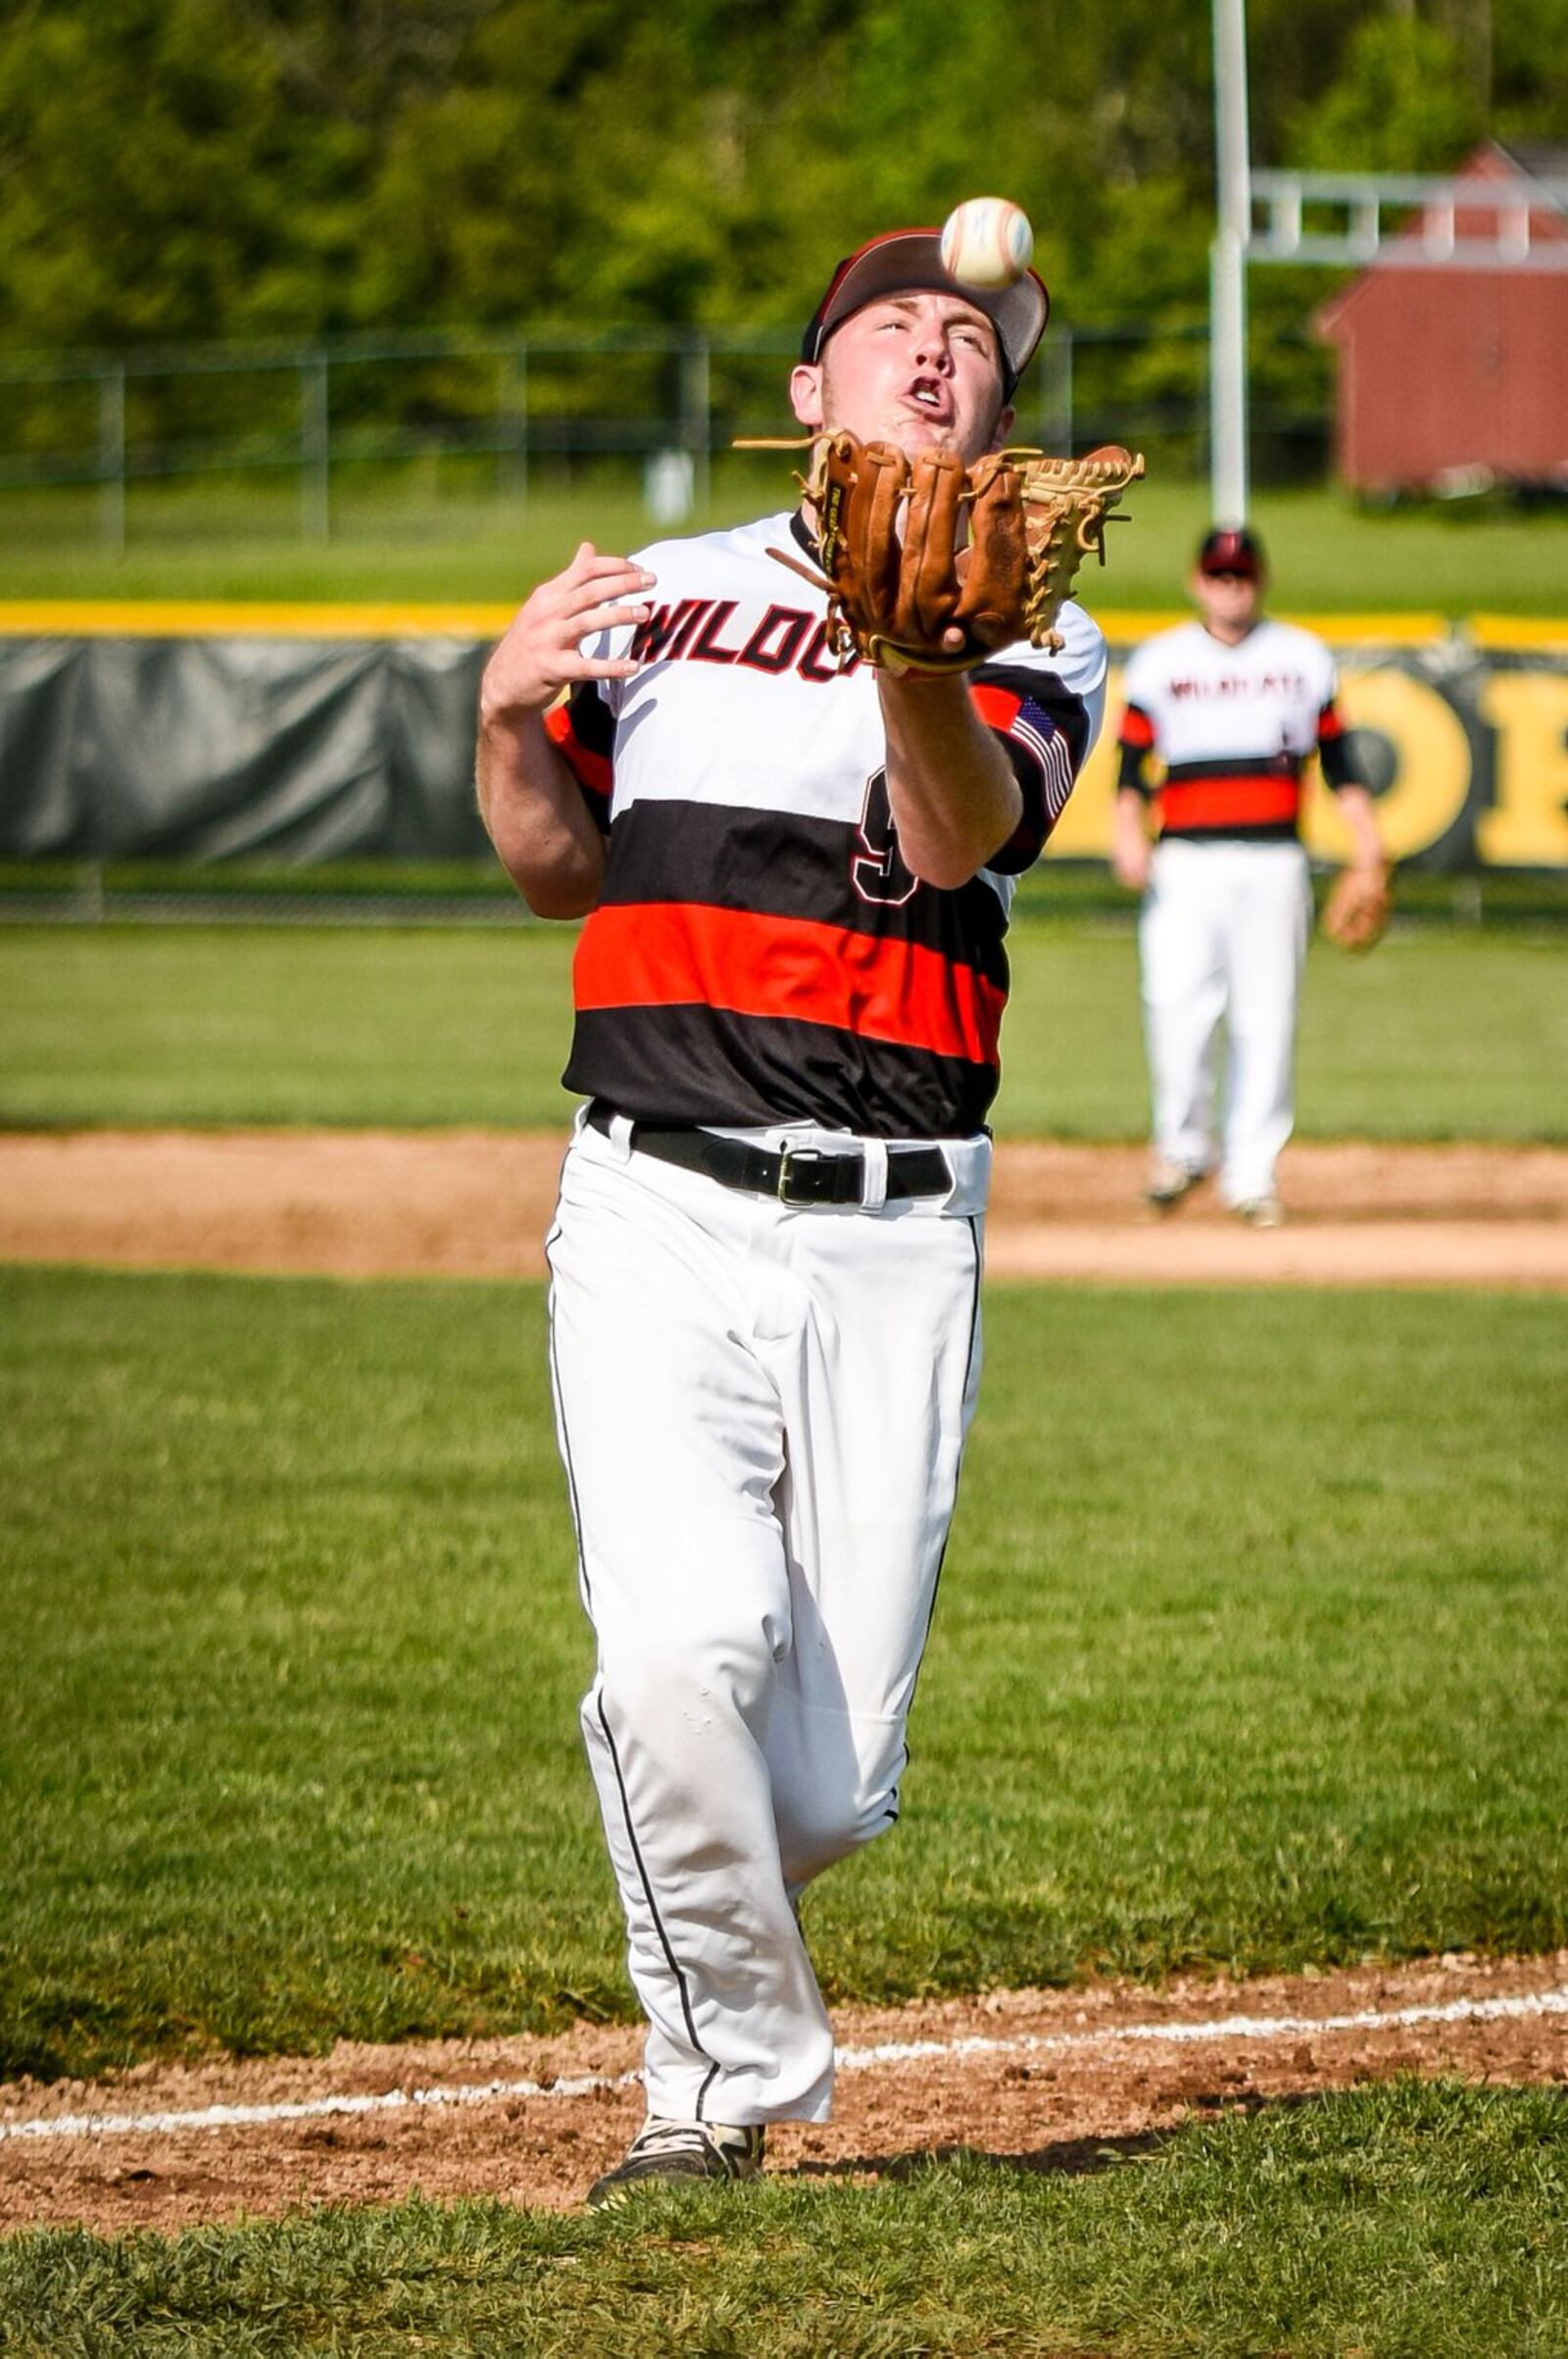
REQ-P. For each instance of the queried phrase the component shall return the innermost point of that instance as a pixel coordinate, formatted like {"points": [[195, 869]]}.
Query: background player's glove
{"points": [[1356, 914], [900, 579]]}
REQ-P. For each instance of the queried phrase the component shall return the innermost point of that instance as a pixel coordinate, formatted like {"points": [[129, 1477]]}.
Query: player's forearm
{"points": [[1131, 851], [537, 818], [952, 789], [1359, 814], [1130, 819]]}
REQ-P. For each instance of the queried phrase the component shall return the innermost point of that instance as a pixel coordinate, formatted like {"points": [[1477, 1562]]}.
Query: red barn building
{"points": [[1455, 370]]}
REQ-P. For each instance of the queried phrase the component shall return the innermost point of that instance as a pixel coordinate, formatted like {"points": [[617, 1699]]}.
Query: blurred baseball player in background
{"points": [[765, 1335], [1232, 706]]}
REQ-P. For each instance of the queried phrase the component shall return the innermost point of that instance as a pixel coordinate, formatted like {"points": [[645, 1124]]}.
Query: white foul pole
{"points": [[1227, 269]]}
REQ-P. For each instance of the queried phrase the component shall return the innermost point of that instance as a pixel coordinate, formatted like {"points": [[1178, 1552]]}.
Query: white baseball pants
{"points": [[760, 1411], [1223, 938]]}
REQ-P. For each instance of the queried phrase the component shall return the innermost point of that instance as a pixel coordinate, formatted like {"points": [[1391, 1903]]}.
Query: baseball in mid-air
{"points": [[987, 243]]}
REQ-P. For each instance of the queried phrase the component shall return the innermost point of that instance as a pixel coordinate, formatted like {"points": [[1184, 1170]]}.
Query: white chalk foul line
{"points": [[850, 2059], [1222, 2026], [307, 2109]]}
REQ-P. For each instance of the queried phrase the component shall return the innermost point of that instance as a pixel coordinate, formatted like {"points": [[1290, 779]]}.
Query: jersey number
{"points": [[877, 869]]}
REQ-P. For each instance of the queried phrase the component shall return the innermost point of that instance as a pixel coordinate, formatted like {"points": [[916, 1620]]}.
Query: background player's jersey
{"points": [[1232, 725], [760, 952]]}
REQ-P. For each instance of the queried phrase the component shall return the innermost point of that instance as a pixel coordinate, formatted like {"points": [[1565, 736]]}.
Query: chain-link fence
{"points": [[526, 407]]}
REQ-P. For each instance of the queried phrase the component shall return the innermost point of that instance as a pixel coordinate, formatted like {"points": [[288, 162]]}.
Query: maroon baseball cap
{"points": [[902, 258], [1232, 549]]}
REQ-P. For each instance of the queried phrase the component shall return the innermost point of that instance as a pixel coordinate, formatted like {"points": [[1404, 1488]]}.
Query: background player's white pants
{"points": [[761, 1412], [1223, 936]]}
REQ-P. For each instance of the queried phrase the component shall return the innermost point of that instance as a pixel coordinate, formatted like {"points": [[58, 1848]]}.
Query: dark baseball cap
{"points": [[903, 259], [1232, 549]]}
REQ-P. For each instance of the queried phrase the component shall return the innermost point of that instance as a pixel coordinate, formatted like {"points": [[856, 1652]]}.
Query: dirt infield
{"points": [[477, 1203], [1045, 2079]]}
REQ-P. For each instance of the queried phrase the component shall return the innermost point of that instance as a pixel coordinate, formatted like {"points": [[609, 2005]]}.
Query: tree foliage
{"points": [[192, 169]]}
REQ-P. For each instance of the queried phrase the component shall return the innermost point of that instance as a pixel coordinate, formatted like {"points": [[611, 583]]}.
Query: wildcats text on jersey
{"points": [[1268, 684], [694, 629]]}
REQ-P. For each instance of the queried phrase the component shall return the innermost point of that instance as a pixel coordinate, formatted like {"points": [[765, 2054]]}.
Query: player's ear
{"points": [[806, 394]]}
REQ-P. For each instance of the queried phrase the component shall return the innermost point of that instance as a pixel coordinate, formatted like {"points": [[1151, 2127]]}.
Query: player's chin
{"points": [[913, 432]]}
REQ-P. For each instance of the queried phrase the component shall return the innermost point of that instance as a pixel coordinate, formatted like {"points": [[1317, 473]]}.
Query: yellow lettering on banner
{"points": [[1432, 772], [1083, 832], [1528, 825]]}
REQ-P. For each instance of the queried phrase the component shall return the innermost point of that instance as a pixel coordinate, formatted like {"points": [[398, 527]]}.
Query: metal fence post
{"points": [[316, 450], [512, 421], [697, 412], [111, 457], [1228, 462]]}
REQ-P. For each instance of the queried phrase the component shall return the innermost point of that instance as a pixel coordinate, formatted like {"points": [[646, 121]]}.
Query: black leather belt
{"points": [[796, 1175]]}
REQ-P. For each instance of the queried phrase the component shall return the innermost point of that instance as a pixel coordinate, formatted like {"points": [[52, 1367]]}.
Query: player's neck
{"points": [[1231, 634]]}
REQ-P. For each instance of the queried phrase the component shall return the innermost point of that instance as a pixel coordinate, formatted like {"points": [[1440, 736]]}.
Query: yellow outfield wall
{"points": [[1467, 736]]}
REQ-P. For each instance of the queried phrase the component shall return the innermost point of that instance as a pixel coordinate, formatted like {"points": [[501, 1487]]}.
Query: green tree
{"points": [[191, 169], [1400, 102]]}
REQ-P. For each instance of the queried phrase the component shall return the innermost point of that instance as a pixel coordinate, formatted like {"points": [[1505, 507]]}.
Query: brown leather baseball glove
{"points": [[1066, 504], [931, 566], [1355, 913]]}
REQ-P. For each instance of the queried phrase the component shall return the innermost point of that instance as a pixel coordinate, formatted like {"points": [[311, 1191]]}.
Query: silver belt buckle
{"points": [[790, 1157]]}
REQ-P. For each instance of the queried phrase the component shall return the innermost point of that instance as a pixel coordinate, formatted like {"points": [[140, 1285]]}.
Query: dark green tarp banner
{"points": [[299, 750], [222, 749]]}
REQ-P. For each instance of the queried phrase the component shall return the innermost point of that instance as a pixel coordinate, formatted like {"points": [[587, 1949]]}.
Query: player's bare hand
{"points": [[542, 651], [1131, 856]]}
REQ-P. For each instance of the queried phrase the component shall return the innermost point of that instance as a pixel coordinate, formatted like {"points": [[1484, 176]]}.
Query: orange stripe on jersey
{"points": [[1230, 803], [1328, 723], [590, 769], [683, 953], [997, 707], [1137, 729]]}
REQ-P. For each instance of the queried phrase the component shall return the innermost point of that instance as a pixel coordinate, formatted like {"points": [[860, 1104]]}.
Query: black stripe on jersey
{"points": [[780, 864], [1237, 765], [1135, 745], [1341, 759], [593, 725], [686, 1064], [1271, 831]]}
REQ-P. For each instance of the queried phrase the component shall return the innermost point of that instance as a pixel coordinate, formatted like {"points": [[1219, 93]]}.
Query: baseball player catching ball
{"points": [[1232, 706], [795, 867]]}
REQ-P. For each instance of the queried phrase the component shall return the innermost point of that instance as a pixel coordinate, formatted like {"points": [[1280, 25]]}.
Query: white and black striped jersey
{"points": [[1233, 727], [760, 952]]}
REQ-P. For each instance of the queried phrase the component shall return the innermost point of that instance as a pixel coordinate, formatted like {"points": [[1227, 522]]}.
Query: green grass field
{"points": [[1390, 2224], [1444, 1033], [292, 1751], [215, 542], [1248, 1653]]}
